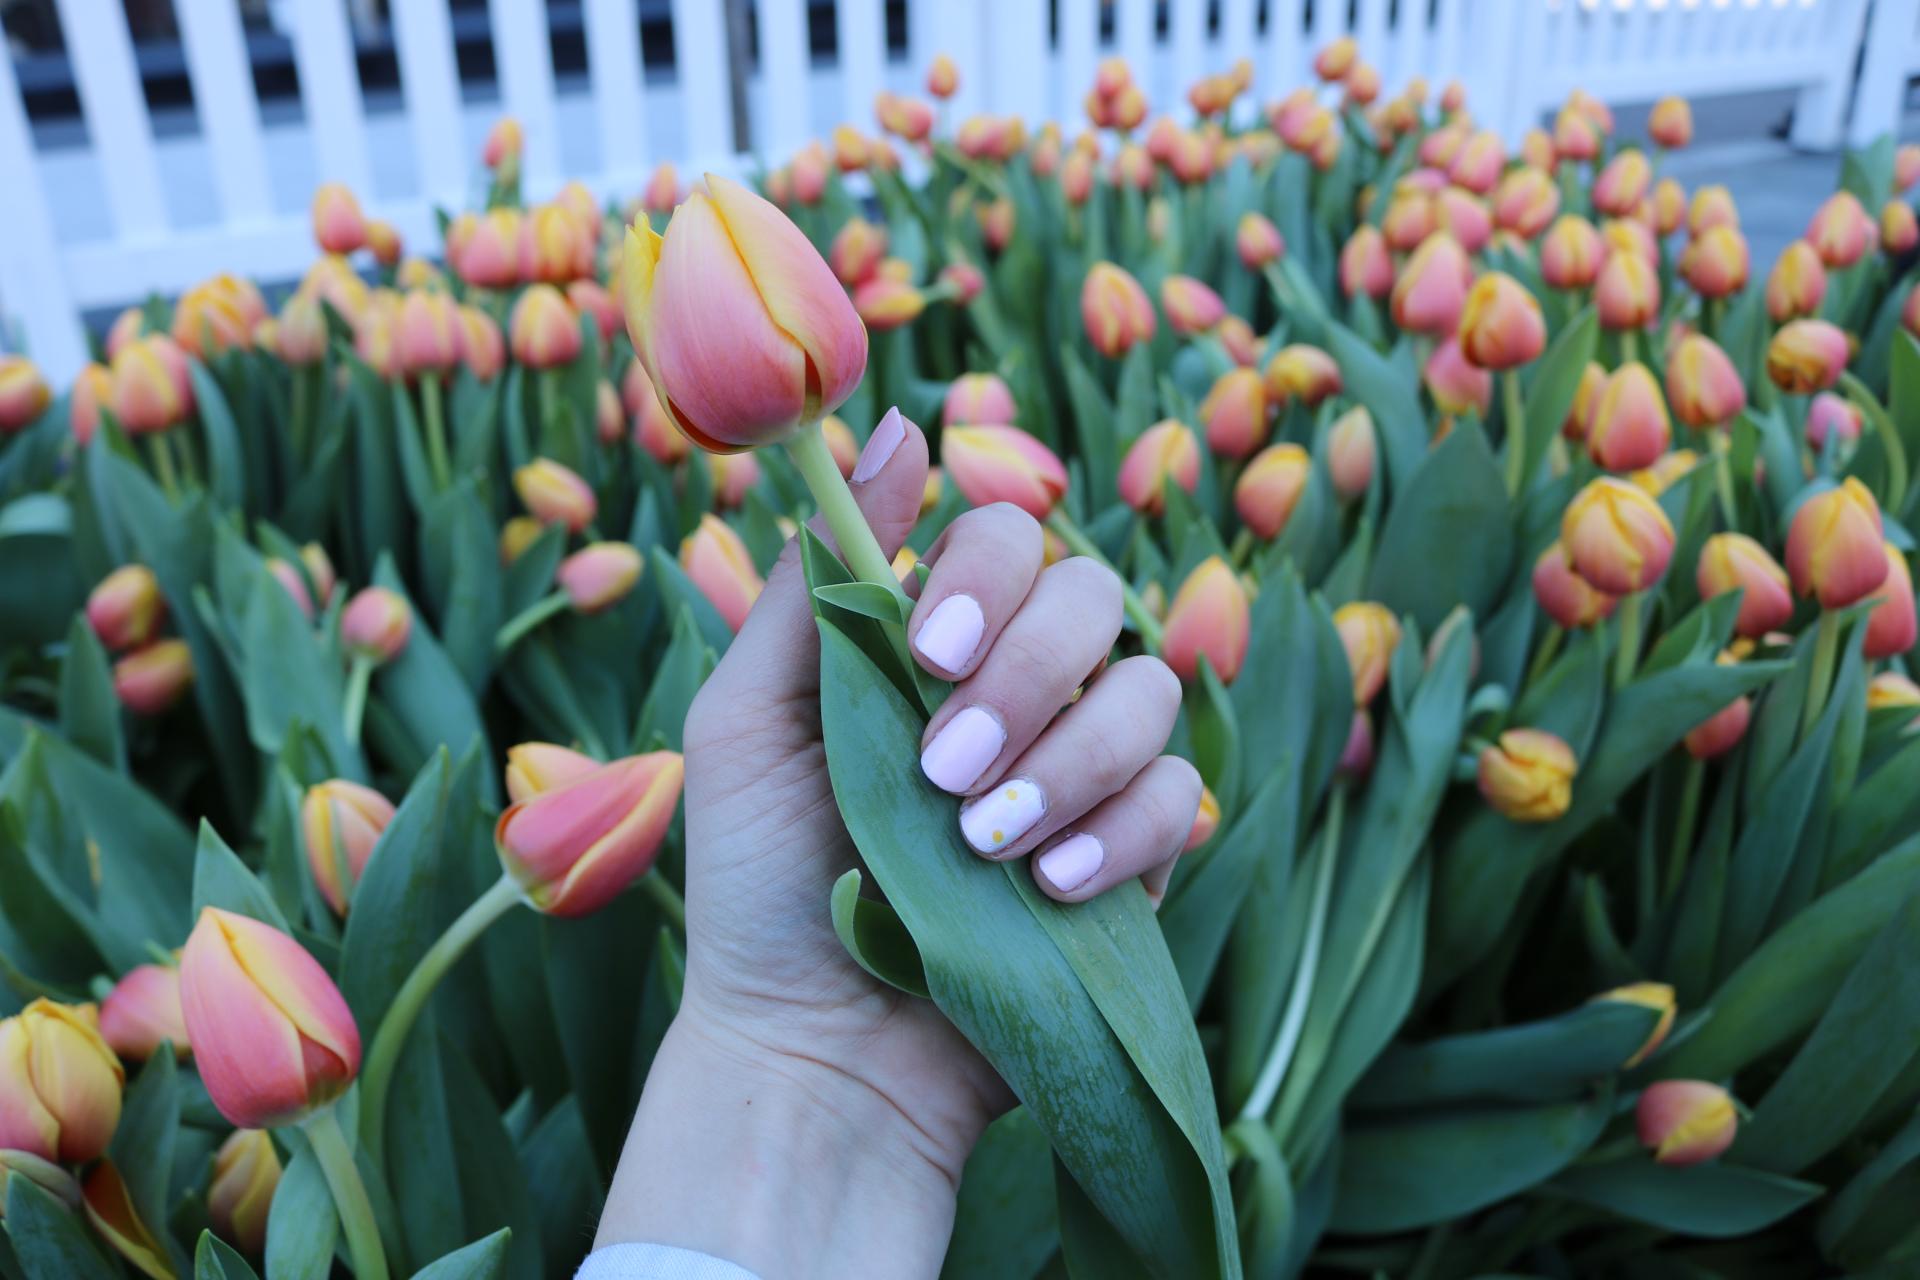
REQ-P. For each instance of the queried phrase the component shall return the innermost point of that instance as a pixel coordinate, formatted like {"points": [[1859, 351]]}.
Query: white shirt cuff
{"points": [[657, 1262]]}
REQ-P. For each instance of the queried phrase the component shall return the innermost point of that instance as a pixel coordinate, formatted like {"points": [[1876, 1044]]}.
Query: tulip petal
{"points": [[607, 867], [110, 1210], [25, 1122], [296, 983]]}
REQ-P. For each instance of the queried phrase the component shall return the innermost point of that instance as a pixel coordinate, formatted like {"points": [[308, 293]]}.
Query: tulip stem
{"points": [[1516, 432], [358, 677], [335, 1154], [1629, 346], [302, 411], [1870, 405], [384, 1055], [809, 451], [1826, 647], [1723, 481], [436, 424], [520, 624], [1549, 648], [1081, 545], [1683, 828], [665, 897], [1629, 655], [163, 467]]}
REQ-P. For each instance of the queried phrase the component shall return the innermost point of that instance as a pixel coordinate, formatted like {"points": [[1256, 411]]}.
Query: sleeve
{"points": [[657, 1262]]}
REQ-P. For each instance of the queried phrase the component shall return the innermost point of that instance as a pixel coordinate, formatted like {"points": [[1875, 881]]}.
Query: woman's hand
{"points": [[802, 1118]]}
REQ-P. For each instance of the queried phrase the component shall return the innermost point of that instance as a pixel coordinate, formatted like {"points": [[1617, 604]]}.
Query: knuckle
{"points": [[1034, 664], [1098, 584], [1159, 687]]}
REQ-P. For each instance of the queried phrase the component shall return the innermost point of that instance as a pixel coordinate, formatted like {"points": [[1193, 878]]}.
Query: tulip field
{"points": [[1535, 567]]}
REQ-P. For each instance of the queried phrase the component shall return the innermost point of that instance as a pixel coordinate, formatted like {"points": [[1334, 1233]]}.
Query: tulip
{"points": [[1432, 288], [1671, 123], [1807, 356], [92, 389], [516, 535], [1464, 217], [555, 494], [1586, 394], [1166, 451], [1735, 562], [964, 279], [503, 145], [1528, 775], [573, 848], [884, 304], [341, 823], [1332, 63], [534, 767], [1526, 202], [481, 347], [739, 321], [856, 251], [1841, 231], [217, 315], [44, 1174], [1410, 218], [1685, 1122], [375, 624], [1115, 310], [1257, 241], [544, 331], [246, 1173], [148, 681], [1237, 339], [1566, 597], [978, 398], [1657, 996], [1456, 385], [131, 325], [1536, 149], [716, 560], [1703, 387], [556, 245], [1350, 452], [908, 119], [1303, 373], [1076, 178], [1476, 165], [1571, 253], [1629, 427], [1501, 326], [1366, 267], [1891, 627], [1828, 415], [1715, 264], [1235, 413], [1899, 231], [59, 1083], [943, 78], [1191, 307], [1574, 136], [489, 255], [426, 336], [1798, 283], [1623, 183], [1270, 487], [383, 241], [599, 576], [1720, 732], [1834, 546], [1617, 537], [142, 1010], [1210, 618], [652, 429], [1206, 820], [1712, 206], [733, 474], [809, 174], [338, 225], [662, 191], [1669, 206], [151, 390], [273, 1038], [991, 464], [1627, 292], [1370, 633], [126, 609], [588, 299], [1892, 691], [840, 443]]}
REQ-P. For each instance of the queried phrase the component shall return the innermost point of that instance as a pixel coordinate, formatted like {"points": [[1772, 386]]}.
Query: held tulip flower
{"points": [[1627, 291], [978, 398], [1629, 428], [1191, 307], [1370, 633], [1235, 413], [555, 494], [1366, 266], [991, 464], [1832, 415], [1685, 1122], [599, 576], [59, 1083], [1527, 776], [1716, 263], [24, 394], [1209, 617], [740, 323], [1735, 562], [142, 1010], [1616, 536], [533, 767], [1834, 546], [246, 1173], [1501, 327], [340, 824], [1257, 241], [1303, 373], [338, 225], [1657, 996], [1115, 310], [1270, 487], [716, 560], [1891, 627], [1807, 356], [126, 608], [572, 849], [544, 330], [1457, 386], [150, 680], [1841, 231], [1571, 253], [1432, 288], [1165, 451], [1703, 387], [1797, 285], [375, 624], [1350, 452], [1671, 123], [273, 1037], [1566, 597]]}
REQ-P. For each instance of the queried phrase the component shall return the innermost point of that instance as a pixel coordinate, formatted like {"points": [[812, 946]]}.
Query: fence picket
{"points": [[783, 71], [229, 115], [116, 110], [700, 69], [33, 286], [330, 92], [522, 51], [861, 28], [431, 83], [619, 86], [1079, 45]]}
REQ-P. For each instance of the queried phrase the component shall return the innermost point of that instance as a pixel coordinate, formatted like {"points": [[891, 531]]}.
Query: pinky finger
{"points": [[1137, 831]]}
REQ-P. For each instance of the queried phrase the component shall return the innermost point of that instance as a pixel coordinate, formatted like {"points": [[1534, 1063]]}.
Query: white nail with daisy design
{"points": [[995, 820]]}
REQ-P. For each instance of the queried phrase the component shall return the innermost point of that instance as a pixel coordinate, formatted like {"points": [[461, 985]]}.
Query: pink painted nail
{"points": [[1003, 815], [885, 439], [951, 633], [962, 750], [1073, 861]]}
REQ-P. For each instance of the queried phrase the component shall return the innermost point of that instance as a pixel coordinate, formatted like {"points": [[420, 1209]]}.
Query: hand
{"points": [[801, 1117]]}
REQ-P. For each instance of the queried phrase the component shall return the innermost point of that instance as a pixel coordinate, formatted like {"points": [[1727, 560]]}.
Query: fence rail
{"points": [[130, 213]]}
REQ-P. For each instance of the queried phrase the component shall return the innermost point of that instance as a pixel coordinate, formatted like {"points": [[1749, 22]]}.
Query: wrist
{"points": [[783, 1164]]}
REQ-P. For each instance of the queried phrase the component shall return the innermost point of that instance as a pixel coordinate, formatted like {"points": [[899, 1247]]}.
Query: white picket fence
{"points": [[97, 226]]}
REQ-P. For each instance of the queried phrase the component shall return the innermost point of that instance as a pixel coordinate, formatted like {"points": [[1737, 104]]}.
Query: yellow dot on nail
{"points": [[1012, 794], [998, 836]]}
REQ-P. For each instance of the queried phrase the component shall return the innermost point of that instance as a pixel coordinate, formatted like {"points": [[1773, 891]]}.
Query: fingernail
{"points": [[1072, 862], [951, 633], [1003, 815], [962, 750], [880, 446]]}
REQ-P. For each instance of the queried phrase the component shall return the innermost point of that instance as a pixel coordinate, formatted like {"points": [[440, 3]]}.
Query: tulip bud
{"points": [[126, 609], [1720, 732], [1892, 691], [1236, 338], [338, 225], [1669, 206], [92, 389], [908, 119], [1235, 413], [1115, 310], [717, 561], [1366, 267], [991, 464], [1593, 380], [148, 681], [481, 346], [1464, 217], [246, 1173], [588, 299], [1840, 231], [1526, 202], [857, 250], [1834, 546], [1456, 385], [1571, 253], [1206, 821], [1528, 775], [1891, 627], [534, 767], [1501, 326], [1617, 537], [1807, 356], [599, 576], [1566, 597], [885, 304], [1715, 264], [1831, 415], [23, 394], [1703, 387], [981, 398], [1657, 996], [733, 474], [573, 848], [1370, 634], [964, 279], [1623, 183], [662, 191], [1209, 616], [1257, 241], [375, 624], [1671, 123], [1270, 487], [943, 78], [1685, 1122], [501, 152], [544, 331], [142, 1010], [1332, 63], [1303, 373], [1432, 288], [151, 388], [1191, 306], [59, 1083], [1165, 451], [1899, 231], [489, 254], [426, 335], [272, 1036], [1629, 427], [556, 245], [1627, 291], [555, 494], [1350, 452], [1574, 136], [340, 823], [46, 1175], [1735, 562], [733, 274]]}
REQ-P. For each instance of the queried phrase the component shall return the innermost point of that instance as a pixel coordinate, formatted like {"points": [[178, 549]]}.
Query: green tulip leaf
{"points": [[51, 1240], [225, 461], [89, 710], [1392, 398], [484, 1259], [1553, 384], [215, 1259], [1546, 1061], [1710, 1200], [873, 935], [1005, 1222], [301, 1224], [1448, 539]]}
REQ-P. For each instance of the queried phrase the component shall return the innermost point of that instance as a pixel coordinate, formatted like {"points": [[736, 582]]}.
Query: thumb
{"points": [[776, 656]]}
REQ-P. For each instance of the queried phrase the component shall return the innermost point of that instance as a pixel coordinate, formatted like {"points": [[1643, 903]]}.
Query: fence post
{"points": [[1820, 113], [1883, 73], [33, 287]]}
